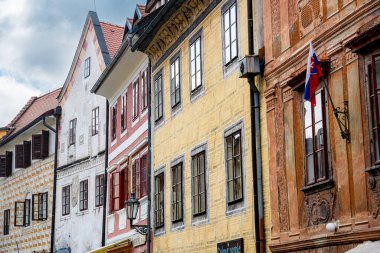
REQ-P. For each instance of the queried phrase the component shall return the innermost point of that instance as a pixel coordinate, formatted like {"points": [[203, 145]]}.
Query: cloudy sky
{"points": [[38, 39]]}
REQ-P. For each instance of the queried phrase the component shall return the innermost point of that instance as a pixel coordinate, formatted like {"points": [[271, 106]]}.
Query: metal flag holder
{"points": [[341, 116]]}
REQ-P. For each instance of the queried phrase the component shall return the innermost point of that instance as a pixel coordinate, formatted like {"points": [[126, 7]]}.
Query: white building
{"points": [[82, 141]]}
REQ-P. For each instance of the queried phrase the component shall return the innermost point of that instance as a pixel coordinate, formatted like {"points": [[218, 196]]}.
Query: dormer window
{"points": [[87, 65]]}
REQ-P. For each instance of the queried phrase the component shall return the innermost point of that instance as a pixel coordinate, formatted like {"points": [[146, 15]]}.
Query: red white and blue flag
{"points": [[313, 73]]}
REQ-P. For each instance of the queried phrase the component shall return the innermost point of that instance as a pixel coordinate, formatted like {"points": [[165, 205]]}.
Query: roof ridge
{"points": [[108, 23], [49, 93], [22, 111]]}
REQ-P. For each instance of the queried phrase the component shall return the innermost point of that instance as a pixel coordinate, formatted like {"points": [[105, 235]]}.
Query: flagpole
{"points": [[341, 115]]}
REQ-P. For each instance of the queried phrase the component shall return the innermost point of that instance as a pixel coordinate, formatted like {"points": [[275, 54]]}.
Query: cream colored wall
{"points": [[225, 101]]}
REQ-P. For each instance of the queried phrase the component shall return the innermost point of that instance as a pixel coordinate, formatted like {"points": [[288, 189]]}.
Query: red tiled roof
{"points": [[35, 107], [113, 35], [142, 9]]}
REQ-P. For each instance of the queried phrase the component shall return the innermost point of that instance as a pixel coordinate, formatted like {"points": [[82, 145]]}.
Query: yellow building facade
{"points": [[196, 121]]}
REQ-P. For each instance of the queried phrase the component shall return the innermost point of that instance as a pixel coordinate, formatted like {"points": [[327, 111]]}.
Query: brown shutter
{"points": [[45, 144], [27, 153], [8, 165], [19, 214], [3, 163], [36, 146], [19, 156]]}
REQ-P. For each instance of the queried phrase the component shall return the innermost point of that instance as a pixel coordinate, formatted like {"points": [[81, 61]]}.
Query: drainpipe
{"points": [[256, 145], [148, 235], [105, 182], [57, 114]]}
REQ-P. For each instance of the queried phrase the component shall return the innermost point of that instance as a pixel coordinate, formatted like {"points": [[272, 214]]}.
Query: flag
{"points": [[313, 73]]}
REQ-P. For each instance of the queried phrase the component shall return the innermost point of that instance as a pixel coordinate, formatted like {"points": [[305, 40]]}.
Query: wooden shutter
{"points": [[27, 153], [45, 144], [122, 187], [19, 214], [3, 163], [35, 205], [134, 167], [36, 146], [111, 206], [19, 156], [8, 165]]}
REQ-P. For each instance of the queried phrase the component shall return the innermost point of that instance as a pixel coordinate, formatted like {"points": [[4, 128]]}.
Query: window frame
{"points": [[99, 190], [72, 131], [19, 212], [144, 174], [113, 122], [136, 184], [144, 90], [87, 67], [227, 8], [236, 198], [197, 36], [373, 102], [27, 211], [326, 171], [83, 195], [95, 121], [174, 103], [123, 112], [198, 176], [66, 198], [158, 94], [135, 99], [40, 206], [176, 204], [159, 206]]}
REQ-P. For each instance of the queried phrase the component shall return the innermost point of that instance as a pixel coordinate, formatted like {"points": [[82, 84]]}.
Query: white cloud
{"points": [[13, 96]]}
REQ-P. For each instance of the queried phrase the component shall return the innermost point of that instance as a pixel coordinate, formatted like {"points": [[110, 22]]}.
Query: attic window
{"points": [[87, 65]]}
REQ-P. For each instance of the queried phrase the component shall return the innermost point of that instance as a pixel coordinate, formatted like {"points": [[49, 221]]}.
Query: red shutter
{"points": [[8, 163], [144, 176], [27, 153], [134, 177], [138, 179], [111, 206], [36, 146], [19, 156], [121, 189], [45, 144], [3, 163]]}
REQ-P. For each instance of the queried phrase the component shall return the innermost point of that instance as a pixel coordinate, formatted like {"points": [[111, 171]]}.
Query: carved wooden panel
{"points": [[319, 207]]}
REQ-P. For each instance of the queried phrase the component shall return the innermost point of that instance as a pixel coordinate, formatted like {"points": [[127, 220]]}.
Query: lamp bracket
{"points": [[141, 229]]}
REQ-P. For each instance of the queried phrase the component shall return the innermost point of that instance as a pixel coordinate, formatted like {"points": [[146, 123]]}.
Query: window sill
{"points": [[317, 187]]}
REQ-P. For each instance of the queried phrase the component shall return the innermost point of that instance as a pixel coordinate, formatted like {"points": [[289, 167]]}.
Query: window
{"points": [[198, 183], [118, 190], [72, 131], [99, 190], [7, 221], [315, 140], [135, 92], [83, 195], [144, 176], [6, 164], [66, 200], [177, 206], [40, 145], [123, 114], [175, 86], [230, 33], [95, 121], [136, 178], [19, 214], [159, 201], [195, 63], [374, 97], [39, 206], [87, 66], [234, 168], [27, 212], [23, 155], [144, 87], [158, 98], [113, 122]]}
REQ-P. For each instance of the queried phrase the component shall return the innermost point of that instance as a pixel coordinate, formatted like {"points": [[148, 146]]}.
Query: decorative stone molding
{"points": [[350, 57], [270, 96], [287, 94], [175, 26]]}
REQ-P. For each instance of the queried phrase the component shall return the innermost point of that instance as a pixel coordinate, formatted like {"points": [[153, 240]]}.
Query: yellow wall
{"points": [[2, 133], [225, 102]]}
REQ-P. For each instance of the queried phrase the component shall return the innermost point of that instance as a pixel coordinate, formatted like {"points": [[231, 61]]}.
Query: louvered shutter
{"points": [[8, 163], [19, 214], [19, 156], [121, 189], [36, 146], [3, 163], [111, 205], [27, 153], [134, 177], [45, 144]]}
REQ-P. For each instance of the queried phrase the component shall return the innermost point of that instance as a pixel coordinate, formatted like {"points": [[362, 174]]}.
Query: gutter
{"points": [[256, 146], [150, 167], [105, 182], [57, 114]]}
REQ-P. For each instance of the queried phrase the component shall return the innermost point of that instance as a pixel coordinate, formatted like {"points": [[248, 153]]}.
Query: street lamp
{"points": [[132, 207]]}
